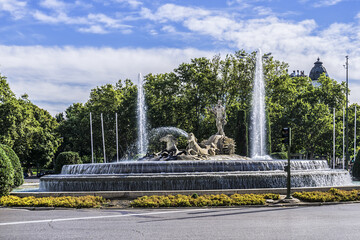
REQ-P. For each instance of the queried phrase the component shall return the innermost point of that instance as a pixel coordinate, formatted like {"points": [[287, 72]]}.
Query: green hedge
{"points": [[18, 171], [6, 174], [66, 158]]}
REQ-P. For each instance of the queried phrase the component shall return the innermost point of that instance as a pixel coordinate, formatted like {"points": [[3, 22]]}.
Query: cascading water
{"points": [[258, 120], [193, 175], [168, 130], [142, 143]]}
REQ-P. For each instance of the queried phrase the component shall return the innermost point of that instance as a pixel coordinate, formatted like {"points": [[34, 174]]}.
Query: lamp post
{"points": [[347, 114]]}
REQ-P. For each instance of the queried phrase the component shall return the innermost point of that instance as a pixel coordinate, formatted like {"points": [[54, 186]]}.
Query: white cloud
{"points": [[357, 16], [173, 12], [56, 77], [92, 23], [55, 5], [354, 93], [324, 3], [298, 43], [76, 70], [263, 11], [93, 29], [131, 3], [60, 17], [321, 3], [169, 29], [16, 8], [107, 21]]}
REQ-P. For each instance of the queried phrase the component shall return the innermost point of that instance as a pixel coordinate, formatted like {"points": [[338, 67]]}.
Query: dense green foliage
{"points": [[27, 129], [15, 162], [279, 155], [182, 98], [6, 174], [68, 202], [66, 158], [202, 201], [333, 195], [108, 99], [356, 167]]}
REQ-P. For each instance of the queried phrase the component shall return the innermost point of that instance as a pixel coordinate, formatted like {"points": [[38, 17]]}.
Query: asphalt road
{"points": [[320, 222]]}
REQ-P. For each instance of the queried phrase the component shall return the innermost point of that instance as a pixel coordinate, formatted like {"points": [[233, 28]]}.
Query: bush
{"points": [[66, 158], [356, 167], [70, 202], [202, 201], [279, 155], [6, 174], [333, 195], [15, 162], [86, 159]]}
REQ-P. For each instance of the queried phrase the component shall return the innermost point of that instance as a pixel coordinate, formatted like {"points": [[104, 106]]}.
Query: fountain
{"points": [[142, 143], [210, 164], [258, 120]]}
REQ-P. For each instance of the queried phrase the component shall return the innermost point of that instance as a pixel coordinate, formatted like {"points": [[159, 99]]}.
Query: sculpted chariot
{"points": [[217, 144]]}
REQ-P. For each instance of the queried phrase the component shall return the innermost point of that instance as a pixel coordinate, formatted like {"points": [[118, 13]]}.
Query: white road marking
{"points": [[98, 217]]}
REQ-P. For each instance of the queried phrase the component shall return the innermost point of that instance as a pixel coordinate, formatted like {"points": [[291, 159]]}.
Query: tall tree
{"points": [[107, 100], [27, 129]]}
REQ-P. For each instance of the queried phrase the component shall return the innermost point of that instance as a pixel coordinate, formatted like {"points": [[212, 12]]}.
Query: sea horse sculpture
{"points": [[170, 144], [193, 147]]}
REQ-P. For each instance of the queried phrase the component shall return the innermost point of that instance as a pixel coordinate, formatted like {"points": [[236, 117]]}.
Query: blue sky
{"points": [[56, 50]]}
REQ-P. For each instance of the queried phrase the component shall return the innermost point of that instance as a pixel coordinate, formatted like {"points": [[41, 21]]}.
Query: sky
{"points": [[56, 51]]}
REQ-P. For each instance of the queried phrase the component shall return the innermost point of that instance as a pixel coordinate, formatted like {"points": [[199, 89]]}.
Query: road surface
{"points": [[319, 222]]}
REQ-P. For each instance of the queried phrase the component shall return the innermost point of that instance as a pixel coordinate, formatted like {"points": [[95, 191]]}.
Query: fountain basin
{"points": [[132, 167], [192, 175], [192, 181]]}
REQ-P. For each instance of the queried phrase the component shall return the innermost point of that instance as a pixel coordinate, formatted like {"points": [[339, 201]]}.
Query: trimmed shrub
{"points": [[202, 201], [333, 195], [6, 174], [15, 162], [356, 167], [69, 202], [66, 158], [279, 155]]}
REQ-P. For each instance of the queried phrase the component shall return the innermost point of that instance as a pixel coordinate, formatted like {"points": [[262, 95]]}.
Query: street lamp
{"points": [[347, 114]]}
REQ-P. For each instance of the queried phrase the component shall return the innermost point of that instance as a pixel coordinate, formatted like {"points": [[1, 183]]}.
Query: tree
{"points": [[352, 127], [28, 130], [5, 91], [182, 99], [107, 100], [356, 167], [6, 174], [66, 158], [307, 109]]}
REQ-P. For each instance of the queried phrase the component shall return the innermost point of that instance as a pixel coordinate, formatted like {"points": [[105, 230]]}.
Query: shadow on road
{"points": [[223, 212]]}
